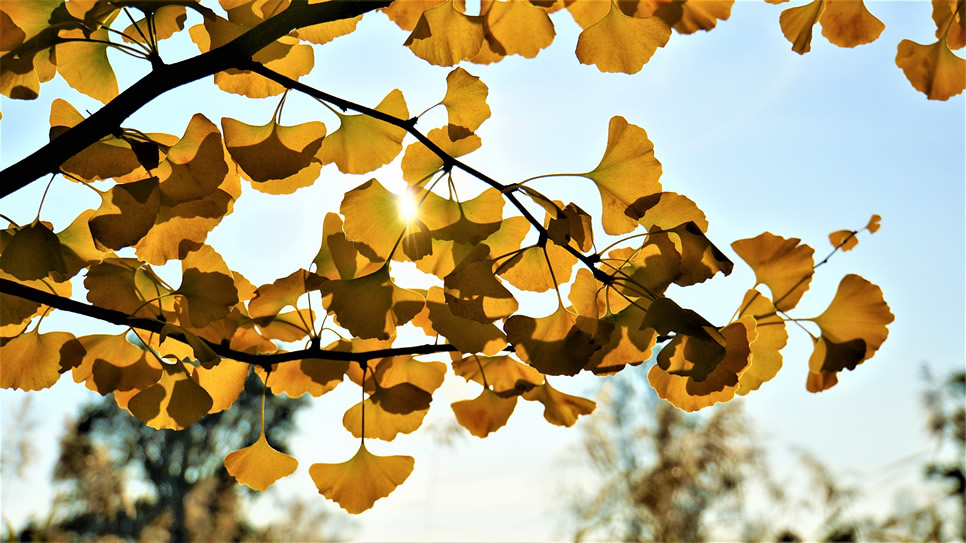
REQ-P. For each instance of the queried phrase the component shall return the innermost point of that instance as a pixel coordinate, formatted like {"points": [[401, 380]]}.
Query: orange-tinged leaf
{"points": [[34, 361], [174, 403], [586, 13], [397, 370], [558, 344], [465, 102], [857, 312], [207, 290], [932, 69], [224, 382], [362, 143], [848, 23], [955, 30], [766, 357], [420, 163], [689, 16], [559, 408], [618, 43], [485, 414], [277, 159], [85, 66], [34, 252], [627, 172], [469, 336], [259, 465], [406, 14], [843, 239], [873, 224], [501, 374], [784, 265], [797, 24], [371, 306], [126, 214], [356, 484], [388, 412], [624, 341], [444, 35], [112, 363]]}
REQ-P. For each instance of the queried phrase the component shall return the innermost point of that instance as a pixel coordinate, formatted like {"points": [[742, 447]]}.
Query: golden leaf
{"points": [[665, 210], [356, 484], [469, 336], [950, 18], [34, 252], [84, 64], [259, 465], [406, 14], [126, 285], [700, 259], [363, 143], [323, 33], [501, 374], [277, 159], [388, 412], [106, 158], [174, 403], [126, 214], [444, 35], [112, 363], [315, 376], [559, 408], [784, 265], [797, 24], [339, 258], [843, 239], [397, 370], [539, 269], [618, 43], [932, 69], [284, 292], [419, 163], [627, 172], [224, 382], [34, 361], [558, 344], [472, 290], [766, 357], [207, 291], [371, 306], [15, 311], [465, 102], [513, 28], [689, 16], [572, 225], [485, 414], [624, 341], [847, 23]]}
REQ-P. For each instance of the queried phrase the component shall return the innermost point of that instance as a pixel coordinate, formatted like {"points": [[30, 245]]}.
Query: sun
{"points": [[408, 206]]}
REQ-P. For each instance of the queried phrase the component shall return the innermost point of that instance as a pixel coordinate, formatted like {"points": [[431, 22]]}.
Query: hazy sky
{"points": [[760, 137]]}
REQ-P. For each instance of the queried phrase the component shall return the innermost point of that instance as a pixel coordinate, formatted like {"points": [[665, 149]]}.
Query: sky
{"points": [[761, 138]]}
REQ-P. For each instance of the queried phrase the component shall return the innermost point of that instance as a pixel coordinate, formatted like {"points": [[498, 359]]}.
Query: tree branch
{"points": [[165, 77], [151, 325]]}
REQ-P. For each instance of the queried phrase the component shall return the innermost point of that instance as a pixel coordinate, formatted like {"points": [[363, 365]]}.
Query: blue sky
{"points": [[760, 137]]}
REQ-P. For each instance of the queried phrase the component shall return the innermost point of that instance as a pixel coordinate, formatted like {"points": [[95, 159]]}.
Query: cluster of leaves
{"points": [[185, 351]]}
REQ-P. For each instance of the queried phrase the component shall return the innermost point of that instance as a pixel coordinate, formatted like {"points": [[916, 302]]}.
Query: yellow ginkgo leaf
{"points": [[853, 326], [207, 290], [84, 64], [700, 259], [766, 357], [514, 28], [558, 344], [34, 252], [618, 43], [127, 285], [469, 336], [174, 403], [651, 268], [126, 214], [784, 265], [388, 412], [289, 326], [339, 258], [572, 225], [372, 199], [112, 363], [106, 158], [797, 23], [627, 172], [34, 361], [950, 19], [371, 306], [224, 382], [406, 14], [277, 159], [270, 299], [624, 341], [845, 240], [311, 375], [558, 408], [419, 163], [356, 484], [259, 465], [323, 33], [485, 414], [539, 269], [501, 374], [689, 16], [873, 224], [666, 210], [465, 102], [443, 35], [16, 311], [847, 23], [933, 70], [396, 370], [363, 143], [473, 291]]}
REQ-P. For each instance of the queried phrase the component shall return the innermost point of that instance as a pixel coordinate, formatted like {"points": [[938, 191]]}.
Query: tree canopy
{"points": [[182, 350]]}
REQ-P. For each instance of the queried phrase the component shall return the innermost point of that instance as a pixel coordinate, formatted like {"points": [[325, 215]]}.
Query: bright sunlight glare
{"points": [[408, 206]]}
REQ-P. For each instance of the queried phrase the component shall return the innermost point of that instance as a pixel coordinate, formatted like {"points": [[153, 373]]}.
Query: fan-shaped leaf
{"points": [[356, 484], [362, 143], [485, 414], [618, 43]]}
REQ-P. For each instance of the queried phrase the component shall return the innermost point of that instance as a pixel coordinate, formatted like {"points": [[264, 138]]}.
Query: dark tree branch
{"points": [[165, 77], [151, 325]]}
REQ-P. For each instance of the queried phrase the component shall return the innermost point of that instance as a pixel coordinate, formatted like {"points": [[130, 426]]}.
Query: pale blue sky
{"points": [[760, 137]]}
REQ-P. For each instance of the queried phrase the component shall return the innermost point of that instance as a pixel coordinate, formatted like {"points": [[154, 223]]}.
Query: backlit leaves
{"points": [[465, 102], [932, 69], [277, 159], [444, 35], [558, 344], [784, 265], [485, 414], [371, 306], [175, 402], [259, 465], [34, 361], [357, 483], [618, 43], [361, 143], [559, 408]]}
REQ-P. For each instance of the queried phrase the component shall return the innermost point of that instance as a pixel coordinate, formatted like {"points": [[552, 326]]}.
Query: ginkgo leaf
{"points": [[84, 64], [207, 290], [270, 299], [397, 370], [721, 383], [766, 357], [289, 326], [853, 326], [473, 291], [513, 28], [112, 363], [470, 221], [310, 375], [447, 254], [166, 21], [666, 210], [388, 412], [624, 341], [558, 344], [558, 408], [323, 33], [356, 484], [950, 19], [126, 213], [420, 163], [106, 158], [126, 285], [34, 361], [363, 143], [849, 23], [465, 103], [443, 35], [627, 172], [15, 311], [406, 14], [689, 16], [224, 382], [339, 258], [34, 252], [259, 465], [371, 306], [572, 225], [797, 23], [469, 336], [485, 414], [502, 374], [196, 165], [700, 259], [277, 159], [873, 225], [175, 402], [202, 352], [77, 245], [845, 240], [618, 43], [539, 269], [361, 204], [784, 265], [933, 70]]}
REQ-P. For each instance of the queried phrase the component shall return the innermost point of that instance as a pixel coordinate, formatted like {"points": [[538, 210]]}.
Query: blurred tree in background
{"points": [[180, 490]]}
